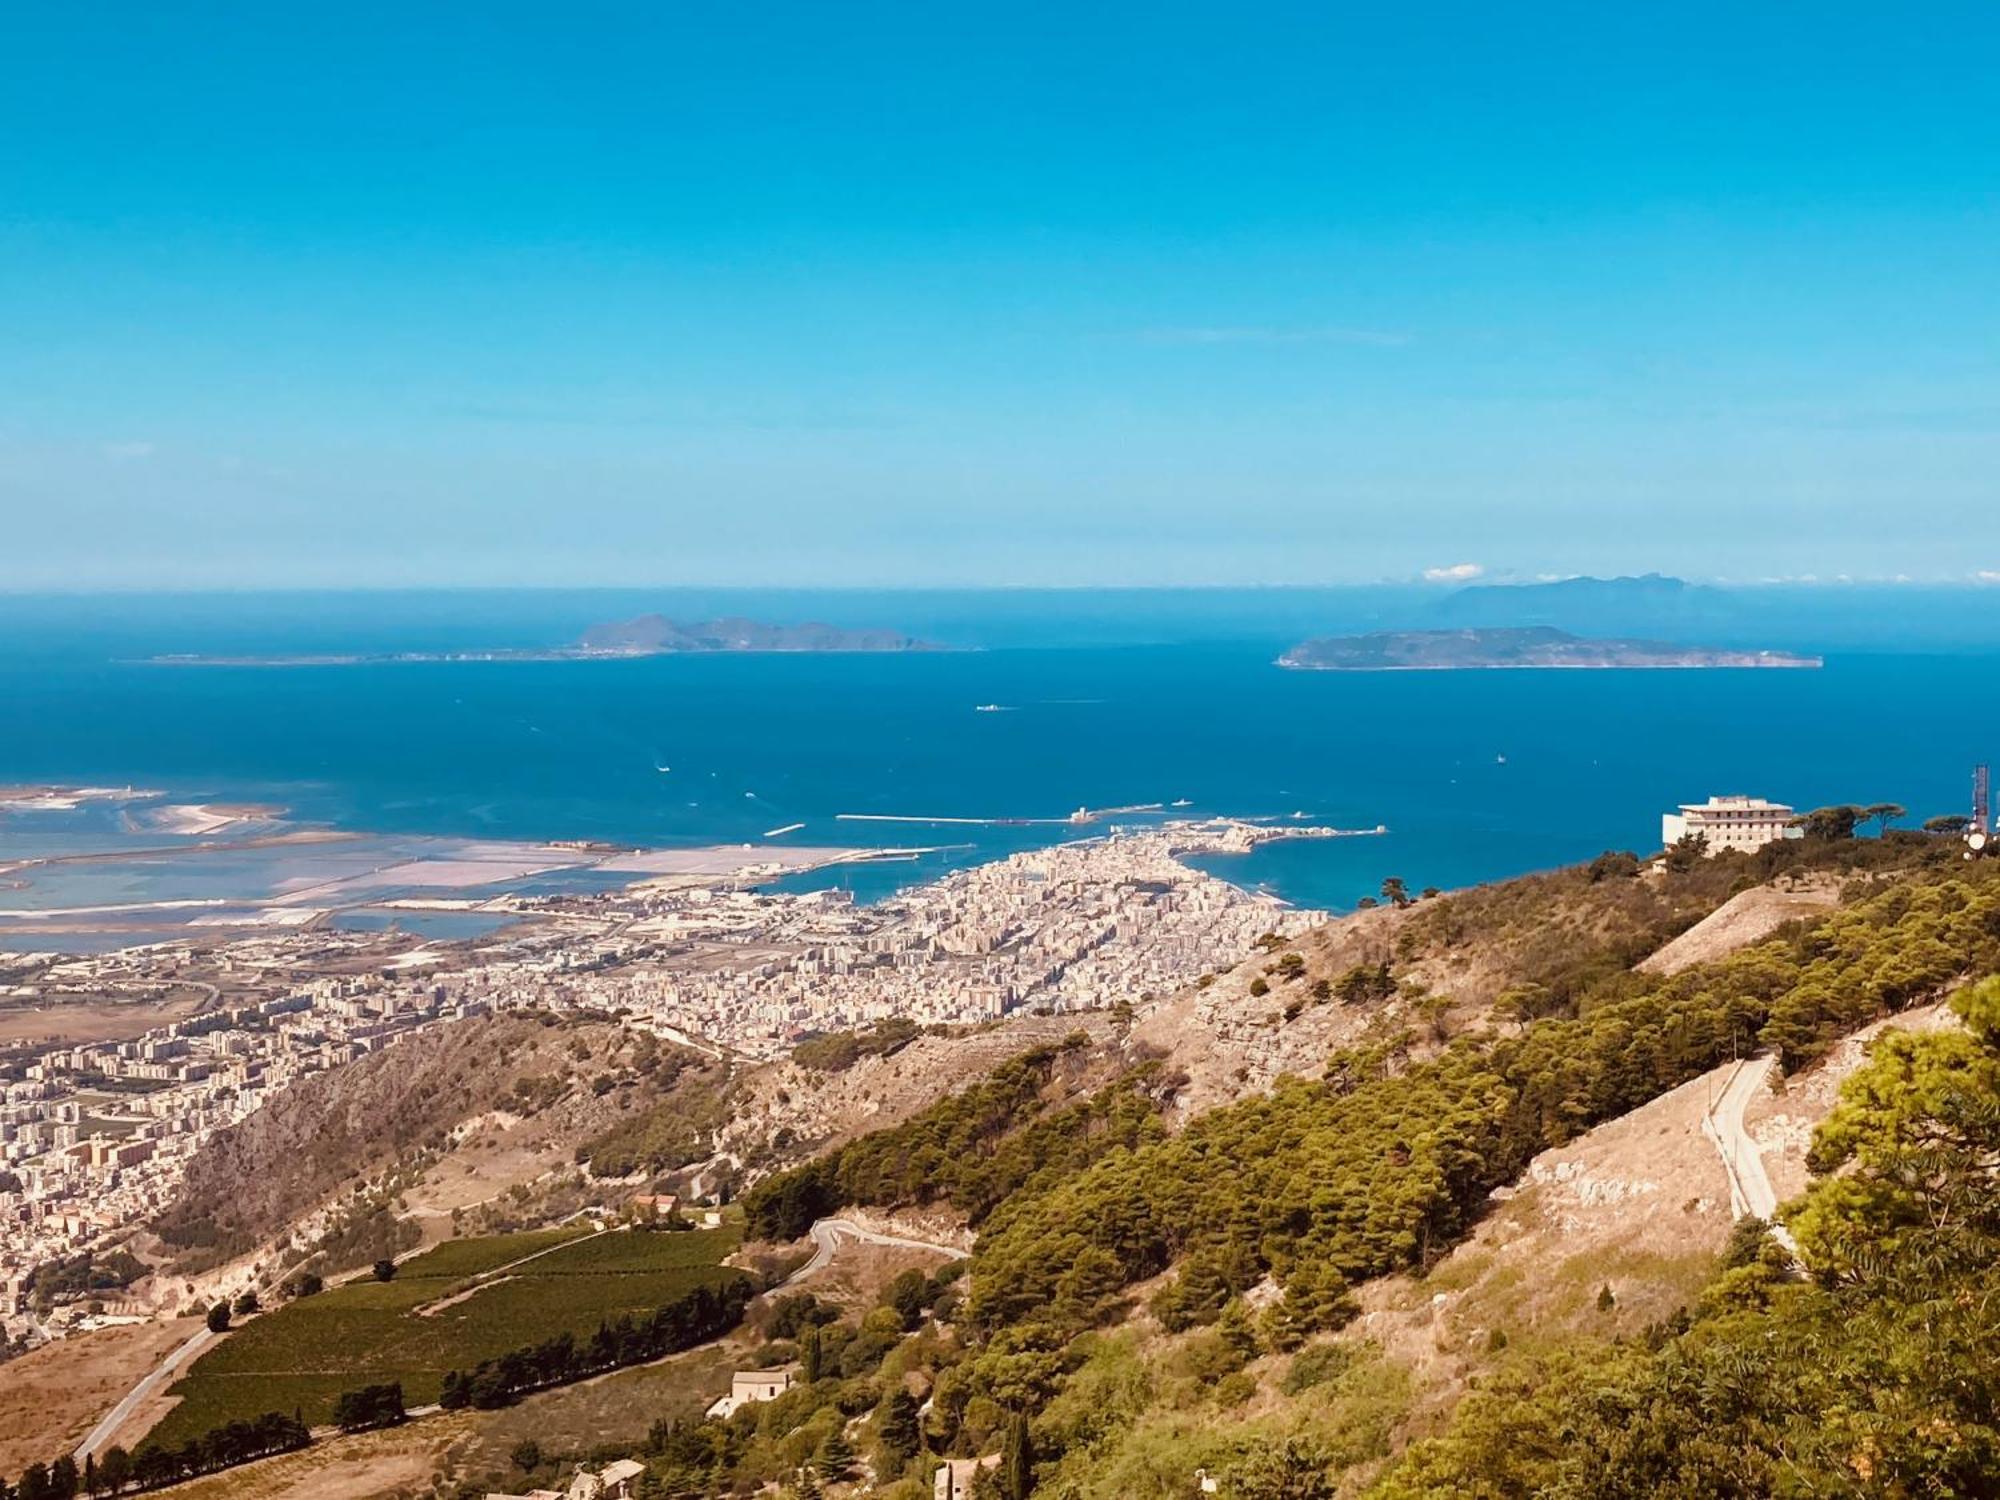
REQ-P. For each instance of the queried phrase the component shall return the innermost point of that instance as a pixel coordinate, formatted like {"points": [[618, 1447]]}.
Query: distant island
{"points": [[648, 635], [656, 635], [1525, 646], [1651, 607]]}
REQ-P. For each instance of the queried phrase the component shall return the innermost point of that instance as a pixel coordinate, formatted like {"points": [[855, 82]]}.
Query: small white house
{"points": [[747, 1386], [954, 1477]]}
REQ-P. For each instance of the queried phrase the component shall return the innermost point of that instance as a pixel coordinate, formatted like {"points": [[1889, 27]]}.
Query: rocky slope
{"points": [[402, 1109]]}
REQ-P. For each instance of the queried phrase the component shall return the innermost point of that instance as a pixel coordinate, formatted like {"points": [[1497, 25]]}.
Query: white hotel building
{"points": [[1746, 823]]}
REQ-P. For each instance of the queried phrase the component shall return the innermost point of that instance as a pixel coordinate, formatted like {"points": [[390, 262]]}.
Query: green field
{"points": [[469, 1257], [306, 1353]]}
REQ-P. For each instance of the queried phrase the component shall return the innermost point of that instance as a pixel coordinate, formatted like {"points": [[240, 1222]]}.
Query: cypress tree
{"points": [[896, 1428], [1017, 1463]]}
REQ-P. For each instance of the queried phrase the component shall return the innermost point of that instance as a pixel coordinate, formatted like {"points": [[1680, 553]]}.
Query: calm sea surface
{"points": [[1476, 774]]}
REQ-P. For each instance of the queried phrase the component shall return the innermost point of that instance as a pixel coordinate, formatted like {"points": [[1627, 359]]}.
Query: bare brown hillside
{"points": [[51, 1396], [1745, 918], [402, 1108]]}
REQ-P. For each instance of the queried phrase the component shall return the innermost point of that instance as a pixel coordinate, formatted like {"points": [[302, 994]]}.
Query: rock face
{"points": [[1526, 646], [655, 635]]}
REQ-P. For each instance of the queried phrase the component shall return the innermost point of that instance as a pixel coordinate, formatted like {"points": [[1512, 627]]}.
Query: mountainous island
{"points": [[1524, 646], [646, 635]]}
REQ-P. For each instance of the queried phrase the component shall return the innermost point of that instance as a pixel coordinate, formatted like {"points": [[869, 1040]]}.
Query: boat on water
{"points": [[1180, 802], [989, 708]]}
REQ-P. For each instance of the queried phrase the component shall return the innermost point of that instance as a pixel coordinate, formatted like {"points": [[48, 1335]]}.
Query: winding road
{"points": [[99, 1437], [828, 1233], [1750, 1190]]}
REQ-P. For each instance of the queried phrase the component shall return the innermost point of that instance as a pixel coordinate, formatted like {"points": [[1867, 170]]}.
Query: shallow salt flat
{"points": [[269, 916], [729, 860], [452, 874]]}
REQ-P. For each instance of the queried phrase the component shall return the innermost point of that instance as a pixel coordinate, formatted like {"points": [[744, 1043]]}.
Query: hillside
{"points": [[1522, 948], [448, 1087], [1158, 1283], [1747, 917], [1276, 1226]]}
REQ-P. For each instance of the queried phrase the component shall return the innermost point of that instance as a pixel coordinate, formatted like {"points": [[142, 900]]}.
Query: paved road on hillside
{"points": [[828, 1233], [1750, 1190], [99, 1437]]}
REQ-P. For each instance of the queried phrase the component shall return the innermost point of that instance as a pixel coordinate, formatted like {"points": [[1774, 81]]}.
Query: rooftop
{"points": [[1737, 804]]}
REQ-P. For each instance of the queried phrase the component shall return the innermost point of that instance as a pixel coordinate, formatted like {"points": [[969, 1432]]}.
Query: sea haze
{"points": [[1103, 700]]}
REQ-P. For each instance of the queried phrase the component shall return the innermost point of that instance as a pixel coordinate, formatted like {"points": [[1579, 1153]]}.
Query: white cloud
{"points": [[1456, 573], [1988, 575], [122, 451], [1366, 338]]}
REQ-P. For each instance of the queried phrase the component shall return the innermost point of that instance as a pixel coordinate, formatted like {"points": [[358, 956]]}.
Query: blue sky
{"points": [[426, 294]]}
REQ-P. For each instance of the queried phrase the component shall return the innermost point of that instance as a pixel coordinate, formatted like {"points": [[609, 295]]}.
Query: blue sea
{"points": [[1102, 700]]}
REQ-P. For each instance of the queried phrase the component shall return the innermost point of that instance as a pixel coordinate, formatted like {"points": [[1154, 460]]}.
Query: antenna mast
{"points": [[1982, 811]]}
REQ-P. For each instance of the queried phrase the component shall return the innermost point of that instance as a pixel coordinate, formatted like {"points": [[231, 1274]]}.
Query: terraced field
{"points": [[464, 1301]]}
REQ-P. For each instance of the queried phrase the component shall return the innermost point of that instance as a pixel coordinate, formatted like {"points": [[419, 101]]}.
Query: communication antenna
{"points": [[1982, 812]]}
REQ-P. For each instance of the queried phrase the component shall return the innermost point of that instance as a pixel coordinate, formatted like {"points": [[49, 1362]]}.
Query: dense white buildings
{"points": [[95, 1136], [1735, 822]]}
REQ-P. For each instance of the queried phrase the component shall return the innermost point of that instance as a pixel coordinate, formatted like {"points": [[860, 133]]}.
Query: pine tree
{"points": [[835, 1459]]}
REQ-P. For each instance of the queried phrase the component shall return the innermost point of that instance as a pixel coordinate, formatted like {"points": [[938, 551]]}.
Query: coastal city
{"points": [[918, 754], [96, 1134]]}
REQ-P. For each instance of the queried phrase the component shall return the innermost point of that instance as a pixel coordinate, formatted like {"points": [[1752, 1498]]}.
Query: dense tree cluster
{"points": [[1383, 1164], [1876, 1374], [1569, 931], [838, 1051], [370, 1406], [972, 1150], [855, 1393], [154, 1465], [703, 1313]]}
